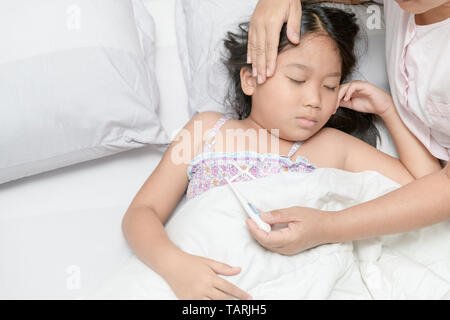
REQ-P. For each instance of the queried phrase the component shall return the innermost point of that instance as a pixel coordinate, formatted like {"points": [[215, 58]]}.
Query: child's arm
{"points": [[189, 276], [365, 97]]}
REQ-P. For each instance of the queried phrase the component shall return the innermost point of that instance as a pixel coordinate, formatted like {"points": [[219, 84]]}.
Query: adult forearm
{"points": [[421, 203], [412, 153], [147, 237]]}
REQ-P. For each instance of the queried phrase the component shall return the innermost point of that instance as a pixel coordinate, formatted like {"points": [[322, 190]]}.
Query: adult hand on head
{"points": [[306, 228], [264, 33]]}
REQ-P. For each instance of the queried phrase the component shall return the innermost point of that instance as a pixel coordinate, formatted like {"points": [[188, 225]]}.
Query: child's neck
{"points": [[251, 123], [435, 15]]}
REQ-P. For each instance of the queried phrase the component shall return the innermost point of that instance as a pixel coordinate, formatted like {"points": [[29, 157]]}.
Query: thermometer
{"points": [[252, 212]]}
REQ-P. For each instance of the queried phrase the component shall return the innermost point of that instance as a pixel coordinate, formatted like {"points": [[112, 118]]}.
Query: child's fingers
{"points": [[222, 268], [346, 104], [356, 86], [347, 90], [342, 91], [217, 294], [350, 91], [229, 288]]}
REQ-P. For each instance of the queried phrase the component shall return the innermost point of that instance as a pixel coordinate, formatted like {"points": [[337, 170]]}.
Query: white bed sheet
{"points": [[60, 231]]}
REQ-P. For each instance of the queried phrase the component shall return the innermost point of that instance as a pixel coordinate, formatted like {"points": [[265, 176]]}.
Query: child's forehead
{"points": [[314, 47]]}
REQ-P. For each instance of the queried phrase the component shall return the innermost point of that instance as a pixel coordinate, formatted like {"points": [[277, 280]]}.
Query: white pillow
{"points": [[76, 83], [201, 26]]}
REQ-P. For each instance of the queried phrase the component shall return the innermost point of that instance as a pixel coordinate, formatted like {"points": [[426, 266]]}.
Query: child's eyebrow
{"points": [[308, 68], [300, 66]]}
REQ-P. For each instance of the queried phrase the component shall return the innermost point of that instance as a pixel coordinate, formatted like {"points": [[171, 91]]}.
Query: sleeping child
{"points": [[291, 123]]}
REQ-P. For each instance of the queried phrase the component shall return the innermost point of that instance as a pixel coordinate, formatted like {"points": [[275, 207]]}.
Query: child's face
{"points": [[302, 95], [420, 6]]}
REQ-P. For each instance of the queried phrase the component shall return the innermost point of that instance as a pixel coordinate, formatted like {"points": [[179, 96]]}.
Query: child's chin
{"points": [[305, 134]]}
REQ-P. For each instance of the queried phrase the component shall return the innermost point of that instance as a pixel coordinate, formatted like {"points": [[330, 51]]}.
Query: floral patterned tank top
{"points": [[209, 169]]}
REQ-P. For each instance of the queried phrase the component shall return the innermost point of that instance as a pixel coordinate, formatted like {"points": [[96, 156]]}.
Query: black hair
{"points": [[342, 27]]}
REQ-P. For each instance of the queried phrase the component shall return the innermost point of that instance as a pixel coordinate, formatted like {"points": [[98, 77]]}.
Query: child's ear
{"points": [[248, 82]]}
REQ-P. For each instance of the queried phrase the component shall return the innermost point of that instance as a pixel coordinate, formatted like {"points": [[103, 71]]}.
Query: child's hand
{"points": [[364, 97], [195, 278]]}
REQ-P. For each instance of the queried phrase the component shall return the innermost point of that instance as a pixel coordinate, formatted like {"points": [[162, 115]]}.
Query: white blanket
{"points": [[412, 265]]}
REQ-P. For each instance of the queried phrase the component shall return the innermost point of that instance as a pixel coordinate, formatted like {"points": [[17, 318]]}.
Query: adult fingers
{"points": [[257, 233], [294, 22], [279, 216], [259, 49], [272, 42], [270, 240], [251, 53]]}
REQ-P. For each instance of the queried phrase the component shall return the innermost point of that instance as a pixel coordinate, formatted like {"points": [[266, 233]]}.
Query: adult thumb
{"points": [[278, 216]]}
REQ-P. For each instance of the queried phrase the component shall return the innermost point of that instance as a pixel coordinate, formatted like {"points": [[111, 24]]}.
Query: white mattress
{"points": [[60, 234]]}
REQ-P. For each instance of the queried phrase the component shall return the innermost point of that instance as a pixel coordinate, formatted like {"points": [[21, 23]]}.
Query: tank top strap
{"points": [[211, 140], [294, 148]]}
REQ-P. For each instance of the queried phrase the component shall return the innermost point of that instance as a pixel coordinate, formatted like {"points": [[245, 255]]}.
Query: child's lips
{"points": [[305, 122]]}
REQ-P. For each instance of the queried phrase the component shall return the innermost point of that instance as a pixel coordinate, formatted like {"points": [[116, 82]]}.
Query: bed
{"points": [[60, 230]]}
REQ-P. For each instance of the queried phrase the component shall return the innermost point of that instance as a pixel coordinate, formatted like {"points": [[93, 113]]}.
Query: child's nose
{"points": [[312, 103], [312, 98]]}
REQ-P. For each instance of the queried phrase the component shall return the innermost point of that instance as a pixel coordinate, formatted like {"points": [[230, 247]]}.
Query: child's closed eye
{"points": [[297, 81]]}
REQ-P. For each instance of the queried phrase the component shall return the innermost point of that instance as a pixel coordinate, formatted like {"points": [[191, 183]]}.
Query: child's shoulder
{"points": [[203, 120], [331, 135], [338, 138], [208, 118], [332, 139], [197, 128], [327, 142]]}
